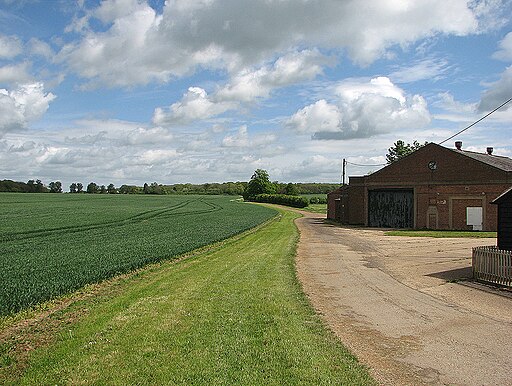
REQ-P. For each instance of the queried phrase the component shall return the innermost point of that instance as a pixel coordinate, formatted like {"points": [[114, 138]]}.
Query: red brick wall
{"points": [[452, 168], [451, 202], [357, 198], [331, 204], [441, 195]]}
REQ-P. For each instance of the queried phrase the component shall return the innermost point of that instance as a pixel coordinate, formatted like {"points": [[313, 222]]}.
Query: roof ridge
{"points": [[476, 152]]}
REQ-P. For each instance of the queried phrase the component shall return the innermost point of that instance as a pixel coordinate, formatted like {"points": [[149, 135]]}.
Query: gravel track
{"points": [[404, 307]]}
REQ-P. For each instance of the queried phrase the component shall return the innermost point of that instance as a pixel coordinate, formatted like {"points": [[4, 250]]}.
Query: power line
{"points": [[474, 123], [351, 163]]}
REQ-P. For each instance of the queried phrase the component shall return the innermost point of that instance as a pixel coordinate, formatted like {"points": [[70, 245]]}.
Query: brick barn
{"points": [[433, 188]]}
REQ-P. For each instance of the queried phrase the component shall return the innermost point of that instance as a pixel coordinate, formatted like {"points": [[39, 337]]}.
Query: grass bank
{"points": [[235, 315], [441, 234]]}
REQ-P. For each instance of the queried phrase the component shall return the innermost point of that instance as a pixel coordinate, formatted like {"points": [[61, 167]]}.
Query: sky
{"points": [[177, 91]]}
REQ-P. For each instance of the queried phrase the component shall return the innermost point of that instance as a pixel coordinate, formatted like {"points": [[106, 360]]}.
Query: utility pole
{"points": [[343, 172]]}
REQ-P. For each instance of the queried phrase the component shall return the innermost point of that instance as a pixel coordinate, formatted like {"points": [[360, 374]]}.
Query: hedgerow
{"points": [[282, 199]]}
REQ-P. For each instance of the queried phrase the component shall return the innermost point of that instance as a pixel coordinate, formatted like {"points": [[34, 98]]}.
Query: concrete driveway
{"points": [[399, 304]]}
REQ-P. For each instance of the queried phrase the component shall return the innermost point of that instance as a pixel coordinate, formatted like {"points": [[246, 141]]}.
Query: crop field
{"points": [[51, 244]]}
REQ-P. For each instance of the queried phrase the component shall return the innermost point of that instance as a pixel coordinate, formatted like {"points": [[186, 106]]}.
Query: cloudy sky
{"points": [[134, 91]]}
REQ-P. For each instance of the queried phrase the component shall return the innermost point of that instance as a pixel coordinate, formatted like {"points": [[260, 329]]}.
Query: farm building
{"points": [[433, 188], [504, 203]]}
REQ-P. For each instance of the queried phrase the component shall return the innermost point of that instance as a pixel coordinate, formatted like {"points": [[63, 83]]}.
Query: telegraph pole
{"points": [[343, 171]]}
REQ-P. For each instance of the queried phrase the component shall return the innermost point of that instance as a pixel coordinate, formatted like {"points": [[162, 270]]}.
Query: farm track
{"points": [[140, 217], [401, 304]]}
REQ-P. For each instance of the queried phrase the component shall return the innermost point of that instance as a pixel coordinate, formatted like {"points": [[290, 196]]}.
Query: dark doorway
{"points": [[391, 208]]}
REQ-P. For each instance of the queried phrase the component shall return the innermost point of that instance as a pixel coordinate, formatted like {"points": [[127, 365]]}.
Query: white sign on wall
{"points": [[474, 217]]}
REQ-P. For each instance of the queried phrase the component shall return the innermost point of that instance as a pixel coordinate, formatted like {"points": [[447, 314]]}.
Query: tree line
{"points": [[225, 188]]}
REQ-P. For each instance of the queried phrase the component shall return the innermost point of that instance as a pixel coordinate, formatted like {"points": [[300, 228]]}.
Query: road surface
{"points": [[397, 303]]}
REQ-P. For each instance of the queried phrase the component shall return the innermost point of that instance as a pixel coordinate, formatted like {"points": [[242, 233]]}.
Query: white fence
{"points": [[492, 265]]}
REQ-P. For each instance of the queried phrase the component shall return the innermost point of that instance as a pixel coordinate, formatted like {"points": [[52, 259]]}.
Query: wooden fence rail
{"points": [[492, 265]]}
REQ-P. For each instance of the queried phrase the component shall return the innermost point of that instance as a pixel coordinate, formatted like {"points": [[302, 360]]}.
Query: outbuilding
{"points": [[432, 188], [504, 203]]}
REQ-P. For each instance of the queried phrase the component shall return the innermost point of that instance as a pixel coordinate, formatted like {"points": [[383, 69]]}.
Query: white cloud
{"points": [[241, 139], [23, 105], [195, 105], [314, 167], [505, 49], [139, 46], [15, 73], [498, 92], [447, 102], [10, 47], [318, 117], [40, 48], [363, 109], [432, 69], [289, 69], [157, 156], [154, 135]]}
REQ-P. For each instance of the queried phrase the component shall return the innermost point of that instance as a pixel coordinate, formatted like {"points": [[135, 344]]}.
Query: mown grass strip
{"points": [[441, 234], [236, 315]]}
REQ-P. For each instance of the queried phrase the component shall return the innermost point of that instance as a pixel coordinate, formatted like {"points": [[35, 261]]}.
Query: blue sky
{"points": [[134, 91]]}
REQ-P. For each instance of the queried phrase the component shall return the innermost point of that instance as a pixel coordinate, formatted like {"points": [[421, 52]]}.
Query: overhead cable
{"points": [[474, 123]]}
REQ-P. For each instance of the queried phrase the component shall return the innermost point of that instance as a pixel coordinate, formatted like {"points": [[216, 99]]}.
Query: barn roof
{"points": [[500, 162], [503, 196]]}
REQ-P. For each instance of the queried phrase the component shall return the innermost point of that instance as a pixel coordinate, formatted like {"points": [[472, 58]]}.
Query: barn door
{"points": [[391, 208]]}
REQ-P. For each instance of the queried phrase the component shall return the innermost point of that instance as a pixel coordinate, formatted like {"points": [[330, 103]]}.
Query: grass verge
{"points": [[316, 208], [441, 234], [234, 315]]}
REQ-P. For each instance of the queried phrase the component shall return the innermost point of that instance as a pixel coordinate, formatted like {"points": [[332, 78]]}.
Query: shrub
{"points": [[283, 199], [318, 200]]}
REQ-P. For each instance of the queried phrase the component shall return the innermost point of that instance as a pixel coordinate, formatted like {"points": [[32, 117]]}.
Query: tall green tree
{"points": [[72, 188], [111, 189], [291, 189], [55, 187], [259, 184], [79, 187], [400, 149], [92, 188]]}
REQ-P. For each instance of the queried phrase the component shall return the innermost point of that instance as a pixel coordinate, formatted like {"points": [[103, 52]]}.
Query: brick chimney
{"points": [[489, 150], [458, 145]]}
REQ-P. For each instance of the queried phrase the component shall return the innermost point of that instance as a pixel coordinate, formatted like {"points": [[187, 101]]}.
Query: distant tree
{"points": [[259, 184], [72, 188], [130, 189], [399, 150], [55, 187], [111, 189], [92, 188], [145, 189], [40, 187], [79, 187], [31, 184], [291, 189], [103, 189]]}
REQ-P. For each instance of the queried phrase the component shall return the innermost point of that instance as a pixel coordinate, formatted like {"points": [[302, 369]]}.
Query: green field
{"points": [[51, 244], [234, 315]]}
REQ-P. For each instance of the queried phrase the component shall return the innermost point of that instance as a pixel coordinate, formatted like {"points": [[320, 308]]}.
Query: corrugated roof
{"points": [[500, 162]]}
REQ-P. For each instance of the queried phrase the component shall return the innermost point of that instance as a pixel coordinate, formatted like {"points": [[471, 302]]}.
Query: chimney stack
{"points": [[489, 150], [458, 145]]}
